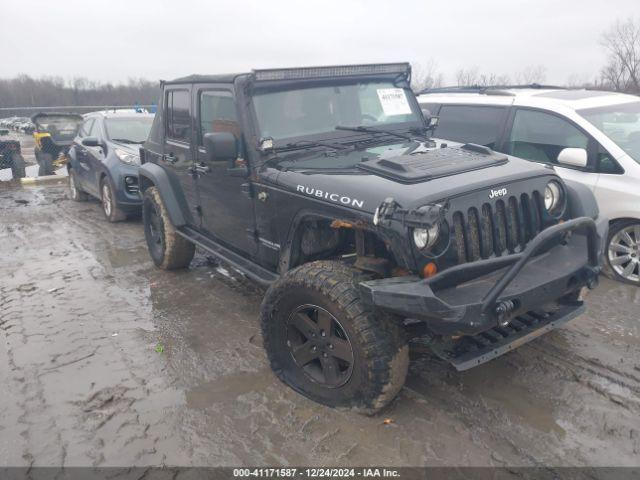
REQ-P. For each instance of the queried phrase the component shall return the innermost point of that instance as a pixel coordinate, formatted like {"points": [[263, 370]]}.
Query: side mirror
{"points": [[220, 146], [91, 142], [430, 121], [576, 157]]}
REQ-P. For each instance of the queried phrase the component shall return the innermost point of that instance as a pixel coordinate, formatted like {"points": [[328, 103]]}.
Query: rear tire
{"points": [[18, 168], [109, 205], [45, 163], [167, 248], [325, 344], [77, 195]]}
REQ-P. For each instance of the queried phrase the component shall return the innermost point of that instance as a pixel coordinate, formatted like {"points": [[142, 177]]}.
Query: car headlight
{"points": [[128, 158], [426, 237], [553, 197]]}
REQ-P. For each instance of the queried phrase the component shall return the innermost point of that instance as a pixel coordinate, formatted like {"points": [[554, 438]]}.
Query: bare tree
{"points": [[426, 75], [532, 74], [26, 91], [622, 42], [470, 77]]}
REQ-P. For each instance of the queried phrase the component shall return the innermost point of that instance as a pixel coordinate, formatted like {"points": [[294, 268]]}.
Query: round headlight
{"points": [[553, 197], [426, 237]]}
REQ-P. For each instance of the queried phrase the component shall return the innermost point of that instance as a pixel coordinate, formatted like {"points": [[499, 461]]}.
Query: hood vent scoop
{"points": [[437, 163]]}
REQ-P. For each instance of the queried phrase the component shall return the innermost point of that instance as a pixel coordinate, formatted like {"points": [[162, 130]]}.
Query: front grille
{"points": [[495, 229]]}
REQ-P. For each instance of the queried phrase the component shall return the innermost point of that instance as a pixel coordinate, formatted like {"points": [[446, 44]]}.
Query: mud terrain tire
{"points": [[379, 351], [18, 168], [167, 248]]}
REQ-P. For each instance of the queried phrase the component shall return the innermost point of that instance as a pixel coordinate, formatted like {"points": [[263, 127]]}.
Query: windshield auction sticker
{"points": [[393, 101]]}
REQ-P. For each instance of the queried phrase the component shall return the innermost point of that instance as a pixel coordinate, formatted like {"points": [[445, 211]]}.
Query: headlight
{"points": [[128, 158], [553, 197], [426, 237]]}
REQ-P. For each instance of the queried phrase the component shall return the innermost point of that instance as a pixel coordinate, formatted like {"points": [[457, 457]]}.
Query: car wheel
{"points": [[45, 165], [168, 249], [109, 205], [77, 195], [324, 343], [623, 251], [18, 168]]}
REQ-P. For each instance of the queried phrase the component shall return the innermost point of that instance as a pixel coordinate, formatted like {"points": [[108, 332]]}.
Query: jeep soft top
{"points": [[323, 185]]}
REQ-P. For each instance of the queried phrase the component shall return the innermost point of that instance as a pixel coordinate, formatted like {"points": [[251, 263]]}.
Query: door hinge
{"points": [[253, 233]]}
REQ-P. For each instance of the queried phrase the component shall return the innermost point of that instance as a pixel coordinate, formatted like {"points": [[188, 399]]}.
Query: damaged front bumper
{"points": [[471, 298]]}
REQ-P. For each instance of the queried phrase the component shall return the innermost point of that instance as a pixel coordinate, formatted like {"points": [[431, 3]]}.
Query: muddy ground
{"points": [[105, 360]]}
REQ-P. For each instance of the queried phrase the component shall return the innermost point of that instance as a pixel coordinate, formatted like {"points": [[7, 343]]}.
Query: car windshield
{"points": [[621, 123], [128, 129], [302, 112]]}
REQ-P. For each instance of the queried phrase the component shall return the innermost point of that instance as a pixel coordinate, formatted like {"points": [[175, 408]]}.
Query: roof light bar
{"points": [[332, 71]]}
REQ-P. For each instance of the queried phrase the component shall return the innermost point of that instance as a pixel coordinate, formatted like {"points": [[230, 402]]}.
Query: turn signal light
{"points": [[429, 270]]}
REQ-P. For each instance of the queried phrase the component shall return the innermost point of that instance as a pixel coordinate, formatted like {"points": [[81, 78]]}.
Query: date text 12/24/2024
{"points": [[316, 473]]}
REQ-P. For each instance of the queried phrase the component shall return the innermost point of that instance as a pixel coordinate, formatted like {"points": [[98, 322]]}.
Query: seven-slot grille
{"points": [[504, 226]]}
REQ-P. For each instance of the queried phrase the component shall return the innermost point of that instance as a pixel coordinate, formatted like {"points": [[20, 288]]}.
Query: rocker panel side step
{"points": [[470, 352], [255, 272]]}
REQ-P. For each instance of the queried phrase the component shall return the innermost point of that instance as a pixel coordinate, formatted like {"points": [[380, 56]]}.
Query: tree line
{"points": [[25, 91]]}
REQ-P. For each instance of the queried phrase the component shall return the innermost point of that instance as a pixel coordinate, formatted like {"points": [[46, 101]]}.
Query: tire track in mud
{"points": [[77, 384], [87, 387]]}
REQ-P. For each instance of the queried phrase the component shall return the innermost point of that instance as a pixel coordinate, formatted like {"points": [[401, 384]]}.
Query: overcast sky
{"points": [[113, 40]]}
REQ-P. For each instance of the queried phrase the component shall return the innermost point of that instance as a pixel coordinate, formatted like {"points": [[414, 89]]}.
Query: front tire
{"points": [[324, 343], [623, 252], [167, 248], [18, 167], [109, 205]]}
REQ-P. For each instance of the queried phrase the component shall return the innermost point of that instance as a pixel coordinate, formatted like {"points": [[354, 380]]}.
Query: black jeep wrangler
{"points": [[11, 156], [323, 184]]}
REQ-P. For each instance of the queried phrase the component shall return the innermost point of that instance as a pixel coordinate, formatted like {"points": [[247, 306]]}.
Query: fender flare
{"points": [[287, 254], [171, 193], [581, 201]]}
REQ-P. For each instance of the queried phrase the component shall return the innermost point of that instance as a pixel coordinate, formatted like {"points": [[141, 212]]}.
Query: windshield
{"points": [[129, 129], [621, 123], [316, 110]]}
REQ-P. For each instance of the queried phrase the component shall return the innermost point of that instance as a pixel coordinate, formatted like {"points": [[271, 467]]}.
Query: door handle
{"points": [[201, 168], [170, 158]]}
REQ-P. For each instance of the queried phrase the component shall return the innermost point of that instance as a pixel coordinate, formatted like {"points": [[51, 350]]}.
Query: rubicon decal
{"points": [[334, 197], [501, 192]]}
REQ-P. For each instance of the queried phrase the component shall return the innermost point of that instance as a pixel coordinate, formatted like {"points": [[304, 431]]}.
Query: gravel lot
{"points": [[105, 360]]}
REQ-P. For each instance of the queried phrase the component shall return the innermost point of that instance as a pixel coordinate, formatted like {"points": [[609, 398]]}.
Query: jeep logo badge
{"points": [[497, 193]]}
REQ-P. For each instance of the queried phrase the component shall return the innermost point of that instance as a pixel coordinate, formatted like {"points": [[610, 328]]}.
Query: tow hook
{"points": [[503, 311]]}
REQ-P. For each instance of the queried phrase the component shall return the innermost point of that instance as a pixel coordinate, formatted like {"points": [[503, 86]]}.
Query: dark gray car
{"points": [[104, 160]]}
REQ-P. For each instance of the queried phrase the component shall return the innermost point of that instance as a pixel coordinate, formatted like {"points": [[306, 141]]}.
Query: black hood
{"points": [[410, 174]]}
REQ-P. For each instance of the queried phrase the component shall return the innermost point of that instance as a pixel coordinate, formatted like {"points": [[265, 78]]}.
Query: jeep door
{"points": [[177, 157], [223, 186]]}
